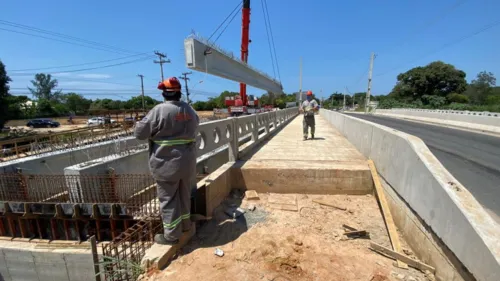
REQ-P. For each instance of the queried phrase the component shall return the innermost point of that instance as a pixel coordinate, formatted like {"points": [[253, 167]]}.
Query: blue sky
{"points": [[334, 39]]}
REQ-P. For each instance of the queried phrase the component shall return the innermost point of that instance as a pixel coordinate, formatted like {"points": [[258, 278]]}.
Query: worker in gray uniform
{"points": [[308, 108], [171, 128]]}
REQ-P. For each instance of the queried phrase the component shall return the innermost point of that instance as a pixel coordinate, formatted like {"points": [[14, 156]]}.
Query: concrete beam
{"points": [[203, 56]]}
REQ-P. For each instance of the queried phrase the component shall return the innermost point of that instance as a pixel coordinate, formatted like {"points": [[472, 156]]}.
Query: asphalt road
{"points": [[472, 158]]}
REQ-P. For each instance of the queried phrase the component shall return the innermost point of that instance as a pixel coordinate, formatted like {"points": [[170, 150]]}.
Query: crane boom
{"points": [[245, 41]]}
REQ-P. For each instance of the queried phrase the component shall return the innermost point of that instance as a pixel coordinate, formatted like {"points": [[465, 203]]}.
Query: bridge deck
{"points": [[286, 163], [328, 145]]}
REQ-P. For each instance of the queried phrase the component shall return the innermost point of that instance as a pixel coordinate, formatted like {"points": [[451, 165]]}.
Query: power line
{"points": [[91, 68], [60, 35], [272, 40], [222, 23], [268, 37], [223, 30], [482, 29], [73, 65]]}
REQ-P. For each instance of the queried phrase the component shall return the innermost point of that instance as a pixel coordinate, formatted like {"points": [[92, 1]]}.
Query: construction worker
{"points": [[171, 128], [308, 108]]}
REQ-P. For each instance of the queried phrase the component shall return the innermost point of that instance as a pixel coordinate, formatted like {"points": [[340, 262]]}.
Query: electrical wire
{"points": [[60, 35], [272, 40], [223, 30], [482, 29], [268, 38], [73, 65], [222, 23], [90, 68]]}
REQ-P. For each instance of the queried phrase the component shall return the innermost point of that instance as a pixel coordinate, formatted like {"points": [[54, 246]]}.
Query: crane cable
{"points": [[266, 16]]}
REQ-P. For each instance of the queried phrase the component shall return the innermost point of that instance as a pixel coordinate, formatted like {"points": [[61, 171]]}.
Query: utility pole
{"points": [[161, 61], [300, 83], [343, 106], [368, 92], [186, 79], [142, 88]]}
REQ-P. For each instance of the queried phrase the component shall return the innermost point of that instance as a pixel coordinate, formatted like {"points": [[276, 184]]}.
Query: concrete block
{"points": [[159, 256], [4, 271], [20, 265], [80, 267], [225, 65], [293, 177]]}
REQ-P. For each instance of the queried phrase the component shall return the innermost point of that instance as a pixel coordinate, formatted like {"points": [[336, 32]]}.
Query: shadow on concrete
{"points": [[318, 139]]}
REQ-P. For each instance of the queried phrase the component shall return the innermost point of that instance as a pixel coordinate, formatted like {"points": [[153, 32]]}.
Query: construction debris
{"points": [[329, 205], [357, 234], [234, 212], [386, 212], [218, 252], [251, 207], [397, 256], [251, 195]]}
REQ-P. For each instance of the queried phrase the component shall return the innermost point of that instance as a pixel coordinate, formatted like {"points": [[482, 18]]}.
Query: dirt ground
{"points": [[307, 244]]}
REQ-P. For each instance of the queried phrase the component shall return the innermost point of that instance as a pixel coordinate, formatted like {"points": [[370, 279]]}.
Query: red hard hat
{"points": [[309, 93], [171, 84]]}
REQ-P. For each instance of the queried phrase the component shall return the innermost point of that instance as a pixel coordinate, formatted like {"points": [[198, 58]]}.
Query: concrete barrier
{"points": [[475, 117], [444, 205], [24, 261]]}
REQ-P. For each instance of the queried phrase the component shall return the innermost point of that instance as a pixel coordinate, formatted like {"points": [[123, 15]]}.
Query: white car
{"points": [[98, 121]]}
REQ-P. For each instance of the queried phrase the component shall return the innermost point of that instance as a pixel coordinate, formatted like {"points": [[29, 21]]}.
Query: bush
{"points": [[457, 98]]}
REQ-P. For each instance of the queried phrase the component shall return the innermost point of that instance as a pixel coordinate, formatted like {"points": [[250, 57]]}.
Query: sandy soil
{"points": [[270, 244]]}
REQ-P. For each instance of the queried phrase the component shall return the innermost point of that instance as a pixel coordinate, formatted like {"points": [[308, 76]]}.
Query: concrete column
{"points": [[274, 117], [233, 142]]}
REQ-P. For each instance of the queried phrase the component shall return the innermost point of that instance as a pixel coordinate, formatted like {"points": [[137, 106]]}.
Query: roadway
{"points": [[472, 158]]}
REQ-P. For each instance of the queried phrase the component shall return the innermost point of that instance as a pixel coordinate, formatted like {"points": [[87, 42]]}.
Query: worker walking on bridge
{"points": [[171, 128], [308, 108]]}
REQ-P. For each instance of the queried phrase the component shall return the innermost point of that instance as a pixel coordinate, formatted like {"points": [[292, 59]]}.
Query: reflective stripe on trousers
{"points": [[173, 142], [173, 224]]}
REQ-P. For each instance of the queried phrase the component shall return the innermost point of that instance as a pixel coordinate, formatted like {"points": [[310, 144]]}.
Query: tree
{"points": [[43, 87], [4, 94], [435, 79], [482, 87], [76, 103]]}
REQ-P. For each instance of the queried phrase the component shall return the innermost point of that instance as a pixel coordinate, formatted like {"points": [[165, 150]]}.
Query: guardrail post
{"points": [[255, 129], [266, 122], [233, 142], [275, 119]]}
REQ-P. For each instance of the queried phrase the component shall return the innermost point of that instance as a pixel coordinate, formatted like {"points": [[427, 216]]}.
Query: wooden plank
{"points": [[251, 195], [95, 258], [400, 257], [329, 204], [386, 212]]}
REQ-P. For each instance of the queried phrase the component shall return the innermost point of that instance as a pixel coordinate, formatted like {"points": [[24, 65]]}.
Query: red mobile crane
{"points": [[243, 104]]}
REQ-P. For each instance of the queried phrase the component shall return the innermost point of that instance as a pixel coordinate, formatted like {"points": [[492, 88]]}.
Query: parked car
{"points": [[42, 123], [99, 121]]}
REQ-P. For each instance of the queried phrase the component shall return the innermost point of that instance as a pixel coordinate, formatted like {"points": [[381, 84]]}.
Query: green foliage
{"points": [[76, 104], [433, 101], [44, 86], [4, 95], [434, 79], [457, 98], [481, 87]]}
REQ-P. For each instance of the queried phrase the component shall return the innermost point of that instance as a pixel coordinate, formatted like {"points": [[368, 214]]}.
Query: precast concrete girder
{"points": [[203, 56]]}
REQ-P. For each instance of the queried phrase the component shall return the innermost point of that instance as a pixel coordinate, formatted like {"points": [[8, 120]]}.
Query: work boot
{"points": [[160, 239], [312, 136], [305, 137]]}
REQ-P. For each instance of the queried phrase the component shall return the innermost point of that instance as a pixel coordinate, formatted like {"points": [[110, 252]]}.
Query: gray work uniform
{"points": [[171, 129], [308, 108]]}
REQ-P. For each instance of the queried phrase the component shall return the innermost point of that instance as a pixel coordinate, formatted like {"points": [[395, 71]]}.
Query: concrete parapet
{"points": [[475, 117], [444, 204]]}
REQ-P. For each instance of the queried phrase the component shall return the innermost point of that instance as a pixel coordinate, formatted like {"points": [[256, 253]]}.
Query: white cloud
{"points": [[94, 76]]}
